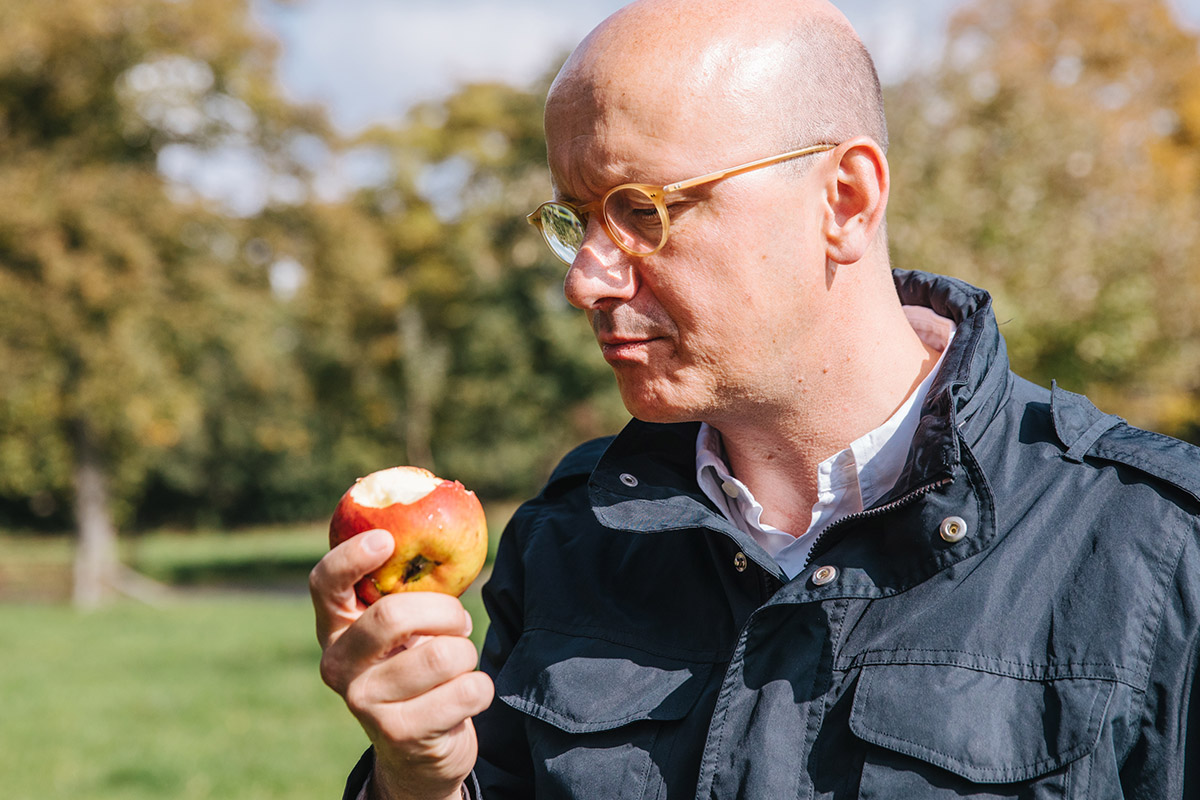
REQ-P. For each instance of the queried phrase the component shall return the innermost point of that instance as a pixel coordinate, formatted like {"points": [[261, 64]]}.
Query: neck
{"points": [[862, 376]]}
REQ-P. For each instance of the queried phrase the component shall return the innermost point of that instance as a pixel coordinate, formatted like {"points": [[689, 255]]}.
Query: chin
{"points": [[656, 405]]}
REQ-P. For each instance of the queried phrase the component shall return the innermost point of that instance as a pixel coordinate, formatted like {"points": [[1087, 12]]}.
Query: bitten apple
{"points": [[438, 525]]}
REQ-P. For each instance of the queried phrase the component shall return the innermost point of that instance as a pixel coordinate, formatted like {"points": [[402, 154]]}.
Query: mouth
{"points": [[626, 349]]}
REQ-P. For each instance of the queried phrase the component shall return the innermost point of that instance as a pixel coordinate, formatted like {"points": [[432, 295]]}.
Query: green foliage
{"points": [[128, 315], [1052, 158], [454, 339]]}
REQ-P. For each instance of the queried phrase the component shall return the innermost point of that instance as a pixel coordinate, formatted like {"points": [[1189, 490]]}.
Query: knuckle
{"points": [[330, 672], [469, 693], [461, 654], [315, 580], [439, 656], [466, 657], [483, 688], [388, 612], [397, 728], [356, 697], [323, 576]]}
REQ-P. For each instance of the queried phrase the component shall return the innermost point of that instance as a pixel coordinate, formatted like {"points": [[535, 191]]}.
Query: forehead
{"points": [[624, 120], [597, 138]]}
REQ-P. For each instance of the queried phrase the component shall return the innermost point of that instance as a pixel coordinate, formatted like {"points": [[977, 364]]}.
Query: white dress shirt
{"points": [[847, 482]]}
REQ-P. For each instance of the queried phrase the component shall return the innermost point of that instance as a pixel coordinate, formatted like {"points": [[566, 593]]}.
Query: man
{"points": [[841, 551]]}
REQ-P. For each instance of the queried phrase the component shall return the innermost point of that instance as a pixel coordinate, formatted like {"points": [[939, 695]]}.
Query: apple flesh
{"points": [[438, 525]]}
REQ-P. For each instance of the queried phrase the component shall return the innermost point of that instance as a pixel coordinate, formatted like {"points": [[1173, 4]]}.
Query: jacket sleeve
{"points": [[1164, 761], [356, 784], [357, 781], [504, 768]]}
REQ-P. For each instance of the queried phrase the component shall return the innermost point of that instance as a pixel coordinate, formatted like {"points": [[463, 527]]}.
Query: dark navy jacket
{"points": [[1018, 618]]}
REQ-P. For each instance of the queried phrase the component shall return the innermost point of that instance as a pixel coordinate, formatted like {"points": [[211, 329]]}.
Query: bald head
{"points": [[771, 74]]}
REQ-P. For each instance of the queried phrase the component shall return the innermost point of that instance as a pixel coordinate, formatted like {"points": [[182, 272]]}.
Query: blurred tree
{"points": [[453, 337], [127, 304], [1054, 158], [179, 346]]}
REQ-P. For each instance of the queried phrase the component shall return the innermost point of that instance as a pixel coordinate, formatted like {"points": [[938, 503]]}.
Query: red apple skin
{"points": [[441, 541]]}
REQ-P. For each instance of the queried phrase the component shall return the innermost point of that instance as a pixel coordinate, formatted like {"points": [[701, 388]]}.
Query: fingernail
{"points": [[377, 542], [470, 622]]}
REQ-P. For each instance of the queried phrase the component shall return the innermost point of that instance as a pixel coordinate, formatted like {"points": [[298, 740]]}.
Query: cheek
{"points": [[723, 284], [727, 286]]}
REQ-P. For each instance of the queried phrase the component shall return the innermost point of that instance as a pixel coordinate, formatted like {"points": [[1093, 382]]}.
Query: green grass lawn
{"points": [[216, 694], [205, 699]]}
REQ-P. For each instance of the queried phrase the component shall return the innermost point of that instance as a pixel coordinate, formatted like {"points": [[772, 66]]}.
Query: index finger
{"points": [[387, 629], [331, 582]]}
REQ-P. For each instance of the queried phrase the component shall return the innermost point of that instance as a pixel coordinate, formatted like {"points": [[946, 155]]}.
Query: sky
{"points": [[367, 61]]}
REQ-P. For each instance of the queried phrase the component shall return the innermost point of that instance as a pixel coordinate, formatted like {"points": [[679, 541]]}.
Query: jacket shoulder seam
{"points": [[1114, 446]]}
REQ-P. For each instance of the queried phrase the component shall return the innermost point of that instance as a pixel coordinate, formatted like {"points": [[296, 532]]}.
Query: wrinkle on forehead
{"points": [[587, 165], [601, 134]]}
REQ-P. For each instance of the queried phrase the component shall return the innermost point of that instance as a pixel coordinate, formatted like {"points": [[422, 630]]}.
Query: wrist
{"points": [[374, 789]]}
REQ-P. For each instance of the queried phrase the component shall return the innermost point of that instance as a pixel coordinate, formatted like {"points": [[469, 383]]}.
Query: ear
{"points": [[857, 194]]}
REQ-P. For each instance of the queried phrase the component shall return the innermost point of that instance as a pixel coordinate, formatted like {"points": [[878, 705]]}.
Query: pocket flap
{"points": [[581, 684], [984, 727]]}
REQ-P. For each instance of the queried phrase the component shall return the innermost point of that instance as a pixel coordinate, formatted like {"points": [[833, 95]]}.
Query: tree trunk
{"points": [[96, 563], [424, 365]]}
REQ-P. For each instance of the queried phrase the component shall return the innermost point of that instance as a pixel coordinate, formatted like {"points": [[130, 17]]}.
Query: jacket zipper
{"points": [[874, 512]]}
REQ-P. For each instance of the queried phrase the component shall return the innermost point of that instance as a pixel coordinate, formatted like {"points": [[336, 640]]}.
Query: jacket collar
{"points": [[971, 386]]}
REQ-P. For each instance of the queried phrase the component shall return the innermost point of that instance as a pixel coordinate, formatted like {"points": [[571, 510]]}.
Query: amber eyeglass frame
{"points": [[656, 194]]}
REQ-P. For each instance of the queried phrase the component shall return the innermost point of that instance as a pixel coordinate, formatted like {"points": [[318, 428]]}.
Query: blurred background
{"points": [[250, 251]]}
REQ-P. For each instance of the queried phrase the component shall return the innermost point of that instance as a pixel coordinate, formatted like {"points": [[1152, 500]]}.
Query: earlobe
{"points": [[857, 193]]}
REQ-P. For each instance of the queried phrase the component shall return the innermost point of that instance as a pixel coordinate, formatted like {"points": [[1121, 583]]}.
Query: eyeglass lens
{"points": [[634, 221], [563, 230]]}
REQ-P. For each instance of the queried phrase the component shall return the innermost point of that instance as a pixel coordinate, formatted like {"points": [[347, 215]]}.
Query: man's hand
{"points": [[406, 670]]}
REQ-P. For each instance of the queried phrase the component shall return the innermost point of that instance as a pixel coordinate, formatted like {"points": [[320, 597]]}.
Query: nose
{"points": [[601, 273]]}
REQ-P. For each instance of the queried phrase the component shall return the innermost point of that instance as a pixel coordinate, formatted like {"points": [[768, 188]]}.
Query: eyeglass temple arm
{"points": [[738, 170]]}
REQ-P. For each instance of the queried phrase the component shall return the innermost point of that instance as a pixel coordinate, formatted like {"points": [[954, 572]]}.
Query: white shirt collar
{"points": [[847, 482]]}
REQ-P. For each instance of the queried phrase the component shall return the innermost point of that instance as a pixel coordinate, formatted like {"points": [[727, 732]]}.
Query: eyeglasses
{"points": [[634, 215]]}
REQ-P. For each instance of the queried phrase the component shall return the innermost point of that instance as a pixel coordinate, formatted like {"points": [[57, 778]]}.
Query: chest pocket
{"points": [[946, 731], [601, 715]]}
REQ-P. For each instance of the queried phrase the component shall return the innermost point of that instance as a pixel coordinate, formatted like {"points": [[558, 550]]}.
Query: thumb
{"points": [[331, 582]]}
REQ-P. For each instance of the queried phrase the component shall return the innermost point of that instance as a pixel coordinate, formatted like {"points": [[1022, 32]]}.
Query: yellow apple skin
{"points": [[441, 538]]}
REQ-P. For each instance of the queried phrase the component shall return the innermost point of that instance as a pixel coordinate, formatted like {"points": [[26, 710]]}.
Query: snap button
{"points": [[739, 561], [824, 575], [953, 529], [730, 488], [628, 480]]}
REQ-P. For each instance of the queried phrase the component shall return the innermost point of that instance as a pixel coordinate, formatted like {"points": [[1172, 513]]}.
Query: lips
{"points": [[625, 348], [617, 341], [624, 336]]}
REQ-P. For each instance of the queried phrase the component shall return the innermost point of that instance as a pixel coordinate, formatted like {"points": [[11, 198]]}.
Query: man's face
{"points": [[715, 323]]}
